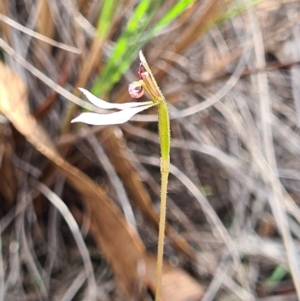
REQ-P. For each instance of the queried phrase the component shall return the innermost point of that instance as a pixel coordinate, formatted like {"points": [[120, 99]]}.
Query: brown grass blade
{"points": [[8, 175], [45, 23], [5, 30]]}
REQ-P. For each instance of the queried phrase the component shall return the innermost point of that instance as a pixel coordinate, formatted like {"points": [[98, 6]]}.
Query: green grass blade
{"points": [[278, 274], [105, 18], [172, 14], [126, 47]]}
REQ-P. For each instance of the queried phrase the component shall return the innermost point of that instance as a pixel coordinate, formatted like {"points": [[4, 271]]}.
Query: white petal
{"points": [[100, 103], [112, 118]]}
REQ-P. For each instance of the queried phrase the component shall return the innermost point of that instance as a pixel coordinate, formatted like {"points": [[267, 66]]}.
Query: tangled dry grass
{"points": [[79, 204]]}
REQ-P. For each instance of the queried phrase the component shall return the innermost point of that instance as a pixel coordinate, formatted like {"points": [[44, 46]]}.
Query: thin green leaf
{"points": [[173, 13], [276, 277], [126, 47], [105, 18]]}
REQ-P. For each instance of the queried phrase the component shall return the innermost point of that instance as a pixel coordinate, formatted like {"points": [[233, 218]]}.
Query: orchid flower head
{"points": [[146, 82], [126, 110]]}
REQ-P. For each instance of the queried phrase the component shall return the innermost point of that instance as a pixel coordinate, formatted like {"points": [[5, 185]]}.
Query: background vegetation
{"points": [[79, 204]]}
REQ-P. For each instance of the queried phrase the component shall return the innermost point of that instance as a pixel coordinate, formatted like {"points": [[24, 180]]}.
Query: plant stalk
{"points": [[164, 137], [148, 83], [162, 226]]}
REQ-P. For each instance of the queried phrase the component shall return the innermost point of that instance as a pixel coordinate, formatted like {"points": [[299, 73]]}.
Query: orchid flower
{"points": [[136, 89], [126, 110]]}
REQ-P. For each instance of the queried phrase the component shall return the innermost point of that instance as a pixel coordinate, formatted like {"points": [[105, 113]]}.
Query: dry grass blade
{"points": [[37, 35], [208, 12], [7, 170], [45, 20], [2, 286]]}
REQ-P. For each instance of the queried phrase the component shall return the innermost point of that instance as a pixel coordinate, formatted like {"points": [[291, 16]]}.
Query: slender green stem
{"points": [[164, 136], [162, 225], [148, 83]]}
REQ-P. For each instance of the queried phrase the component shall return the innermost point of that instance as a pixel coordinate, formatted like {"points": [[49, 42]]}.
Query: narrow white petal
{"points": [[100, 103], [111, 118]]}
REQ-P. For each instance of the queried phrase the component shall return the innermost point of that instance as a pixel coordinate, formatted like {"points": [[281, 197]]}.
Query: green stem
{"points": [[164, 130], [150, 85], [164, 136], [162, 226]]}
